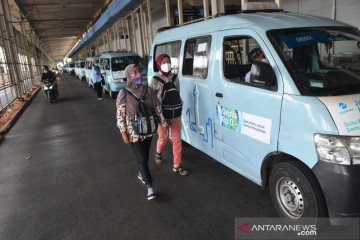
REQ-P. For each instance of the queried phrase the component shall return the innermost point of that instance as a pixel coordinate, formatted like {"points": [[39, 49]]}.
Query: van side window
{"points": [[89, 64], [237, 61], [173, 50], [196, 57], [105, 64]]}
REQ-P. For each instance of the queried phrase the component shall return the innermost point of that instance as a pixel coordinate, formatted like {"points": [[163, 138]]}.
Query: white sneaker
{"points": [[99, 98], [141, 178]]}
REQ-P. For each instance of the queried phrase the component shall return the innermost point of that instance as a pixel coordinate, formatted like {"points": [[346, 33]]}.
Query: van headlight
{"points": [[344, 150]]}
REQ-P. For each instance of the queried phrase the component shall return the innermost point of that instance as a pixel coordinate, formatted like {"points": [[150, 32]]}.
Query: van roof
{"points": [[92, 58], [260, 20], [118, 54]]}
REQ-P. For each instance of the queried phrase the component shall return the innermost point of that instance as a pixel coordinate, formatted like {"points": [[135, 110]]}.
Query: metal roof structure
{"points": [[118, 8], [60, 24]]}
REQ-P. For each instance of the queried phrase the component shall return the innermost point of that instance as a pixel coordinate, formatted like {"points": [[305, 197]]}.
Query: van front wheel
{"points": [[295, 192], [112, 95]]}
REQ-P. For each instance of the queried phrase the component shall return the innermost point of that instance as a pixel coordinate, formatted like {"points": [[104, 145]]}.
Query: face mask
{"points": [[138, 78], [265, 60], [166, 67], [96, 64], [45, 71]]}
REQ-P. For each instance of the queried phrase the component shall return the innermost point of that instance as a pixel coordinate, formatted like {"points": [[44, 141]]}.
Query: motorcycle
{"points": [[50, 91]]}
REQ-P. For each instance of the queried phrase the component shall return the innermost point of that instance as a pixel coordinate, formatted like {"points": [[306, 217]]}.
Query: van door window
{"points": [[173, 50], [106, 64], [239, 53], [196, 57]]}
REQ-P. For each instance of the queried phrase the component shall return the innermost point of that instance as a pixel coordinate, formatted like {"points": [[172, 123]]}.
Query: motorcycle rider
{"points": [[49, 76]]}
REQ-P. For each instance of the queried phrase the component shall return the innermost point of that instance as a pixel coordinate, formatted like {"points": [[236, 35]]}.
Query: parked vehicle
{"points": [[295, 126], [71, 69], [114, 64], [65, 68], [88, 70], [80, 69]]}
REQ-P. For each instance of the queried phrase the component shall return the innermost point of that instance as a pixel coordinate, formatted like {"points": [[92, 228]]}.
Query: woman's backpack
{"points": [[170, 99], [145, 122]]}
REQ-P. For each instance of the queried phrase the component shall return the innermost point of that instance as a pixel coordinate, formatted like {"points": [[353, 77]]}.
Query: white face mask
{"points": [[166, 67]]}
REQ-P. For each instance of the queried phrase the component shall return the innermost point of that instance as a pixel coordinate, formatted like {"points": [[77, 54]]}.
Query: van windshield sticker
{"points": [[316, 83], [250, 125], [302, 39], [119, 74], [202, 47]]}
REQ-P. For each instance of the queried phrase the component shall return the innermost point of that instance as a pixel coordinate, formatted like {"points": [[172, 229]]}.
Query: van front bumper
{"points": [[341, 187], [116, 87]]}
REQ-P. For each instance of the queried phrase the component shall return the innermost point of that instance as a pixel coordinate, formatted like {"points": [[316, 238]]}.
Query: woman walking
{"points": [[171, 106], [126, 103]]}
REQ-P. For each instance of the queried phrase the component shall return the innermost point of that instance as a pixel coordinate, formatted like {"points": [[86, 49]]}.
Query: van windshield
{"points": [[120, 63], [322, 61]]}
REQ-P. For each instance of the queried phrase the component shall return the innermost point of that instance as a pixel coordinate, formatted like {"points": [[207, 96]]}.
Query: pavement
{"points": [[65, 173]]}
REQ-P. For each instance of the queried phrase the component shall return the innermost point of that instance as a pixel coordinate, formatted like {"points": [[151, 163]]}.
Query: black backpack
{"points": [[170, 99], [145, 122]]}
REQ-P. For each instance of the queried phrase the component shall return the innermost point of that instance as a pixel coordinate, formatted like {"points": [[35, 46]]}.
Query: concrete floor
{"points": [[81, 181]]}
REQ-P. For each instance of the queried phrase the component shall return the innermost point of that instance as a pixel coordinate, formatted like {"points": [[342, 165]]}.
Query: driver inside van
{"points": [[255, 55]]}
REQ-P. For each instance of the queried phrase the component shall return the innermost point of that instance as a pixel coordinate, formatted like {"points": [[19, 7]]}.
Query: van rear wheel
{"points": [[295, 192]]}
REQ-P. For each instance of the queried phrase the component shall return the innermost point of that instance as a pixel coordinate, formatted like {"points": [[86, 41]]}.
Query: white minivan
{"points": [[114, 64], [294, 125]]}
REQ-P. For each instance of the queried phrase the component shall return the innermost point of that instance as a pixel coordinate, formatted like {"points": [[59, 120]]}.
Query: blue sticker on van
{"points": [[303, 39]]}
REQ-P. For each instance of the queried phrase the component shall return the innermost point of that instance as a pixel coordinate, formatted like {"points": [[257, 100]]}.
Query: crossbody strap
{"points": [[143, 97], [174, 78], [131, 94], [159, 79]]}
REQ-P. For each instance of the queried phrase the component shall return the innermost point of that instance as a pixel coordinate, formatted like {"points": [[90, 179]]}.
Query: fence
{"points": [[20, 64]]}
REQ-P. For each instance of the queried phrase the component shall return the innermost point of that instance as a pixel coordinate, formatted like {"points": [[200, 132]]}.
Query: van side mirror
{"points": [[262, 73]]}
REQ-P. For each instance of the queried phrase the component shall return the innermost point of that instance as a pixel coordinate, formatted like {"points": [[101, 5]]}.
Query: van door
{"points": [[196, 79], [105, 67], [247, 114]]}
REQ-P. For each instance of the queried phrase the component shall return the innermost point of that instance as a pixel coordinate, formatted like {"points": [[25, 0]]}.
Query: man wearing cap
{"points": [[255, 55], [97, 79]]}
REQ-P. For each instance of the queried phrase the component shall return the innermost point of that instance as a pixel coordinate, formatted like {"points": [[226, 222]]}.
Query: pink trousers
{"points": [[176, 139]]}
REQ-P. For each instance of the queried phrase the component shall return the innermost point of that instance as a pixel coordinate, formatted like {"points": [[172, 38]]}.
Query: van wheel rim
{"points": [[290, 198]]}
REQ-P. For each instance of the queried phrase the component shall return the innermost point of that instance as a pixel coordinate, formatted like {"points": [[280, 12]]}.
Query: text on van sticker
{"points": [[250, 125], [352, 126]]}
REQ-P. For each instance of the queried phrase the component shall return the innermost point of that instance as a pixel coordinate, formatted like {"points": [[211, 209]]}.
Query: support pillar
{"points": [[206, 8], [148, 4], [168, 19], [134, 32], [180, 11]]}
